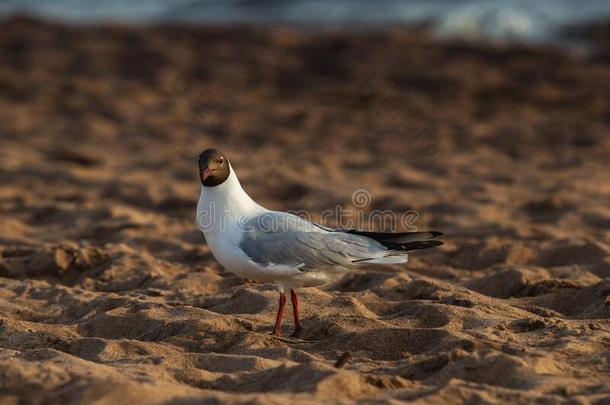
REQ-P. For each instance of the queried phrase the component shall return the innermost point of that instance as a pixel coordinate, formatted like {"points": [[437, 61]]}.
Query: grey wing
{"points": [[277, 238]]}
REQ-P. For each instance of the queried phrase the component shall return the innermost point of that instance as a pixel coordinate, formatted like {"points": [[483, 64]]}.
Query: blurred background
{"points": [[487, 108], [304, 94], [541, 20]]}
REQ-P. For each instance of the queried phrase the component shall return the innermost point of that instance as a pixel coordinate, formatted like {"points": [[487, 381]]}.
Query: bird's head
{"points": [[213, 167]]}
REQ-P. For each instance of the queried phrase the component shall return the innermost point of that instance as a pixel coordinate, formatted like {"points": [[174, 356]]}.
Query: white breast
{"points": [[221, 211]]}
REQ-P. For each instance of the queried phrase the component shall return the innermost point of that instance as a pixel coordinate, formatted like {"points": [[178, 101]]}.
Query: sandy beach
{"points": [[109, 293]]}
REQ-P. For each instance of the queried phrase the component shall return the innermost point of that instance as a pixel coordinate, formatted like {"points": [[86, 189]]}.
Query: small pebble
{"points": [[342, 361]]}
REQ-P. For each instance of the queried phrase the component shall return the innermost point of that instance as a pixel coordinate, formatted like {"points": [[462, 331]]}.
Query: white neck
{"points": [[226, 200]]}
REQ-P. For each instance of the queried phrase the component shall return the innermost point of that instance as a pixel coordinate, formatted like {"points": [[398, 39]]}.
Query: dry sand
{"points": [[108, 292]]}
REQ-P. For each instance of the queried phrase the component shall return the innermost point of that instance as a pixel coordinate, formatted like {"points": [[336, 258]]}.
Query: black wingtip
{"points": [[424, 244], [392, 239]]}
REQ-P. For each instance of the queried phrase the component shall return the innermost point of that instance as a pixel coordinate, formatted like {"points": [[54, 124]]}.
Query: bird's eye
{"points": [[221, 161]]}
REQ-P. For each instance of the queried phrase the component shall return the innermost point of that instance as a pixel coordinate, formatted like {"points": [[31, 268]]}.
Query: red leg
{"points": [[295, 308], [278, 320]]}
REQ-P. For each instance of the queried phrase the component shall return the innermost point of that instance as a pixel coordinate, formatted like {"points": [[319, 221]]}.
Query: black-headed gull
{"points": [[270, 246]]}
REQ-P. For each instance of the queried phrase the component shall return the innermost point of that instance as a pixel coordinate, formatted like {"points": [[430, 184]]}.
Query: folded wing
{"points": [[278, 238]]}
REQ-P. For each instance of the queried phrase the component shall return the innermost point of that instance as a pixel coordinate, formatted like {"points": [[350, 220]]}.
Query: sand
{"points": [[108, 293]]}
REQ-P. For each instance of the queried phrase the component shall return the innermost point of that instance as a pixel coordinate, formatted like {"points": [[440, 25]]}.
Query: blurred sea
{"points": [[516, 20]]}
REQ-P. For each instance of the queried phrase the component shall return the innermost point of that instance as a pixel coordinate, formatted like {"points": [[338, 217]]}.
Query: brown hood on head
{"points": [[213, 167]]}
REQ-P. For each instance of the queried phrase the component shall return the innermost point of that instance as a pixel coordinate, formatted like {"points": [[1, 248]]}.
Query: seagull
{"points": [[278, 247]]}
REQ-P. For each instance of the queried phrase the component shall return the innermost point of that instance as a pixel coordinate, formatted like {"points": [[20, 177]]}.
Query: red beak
{"points": [[206, 173]]}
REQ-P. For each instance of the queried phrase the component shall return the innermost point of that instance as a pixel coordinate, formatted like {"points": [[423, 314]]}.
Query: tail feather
{"points": [[394, 259]]}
